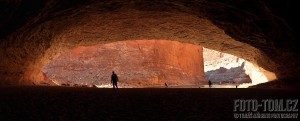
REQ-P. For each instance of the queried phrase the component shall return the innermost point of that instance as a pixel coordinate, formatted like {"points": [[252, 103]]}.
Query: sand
{"points": [[150, 104]]}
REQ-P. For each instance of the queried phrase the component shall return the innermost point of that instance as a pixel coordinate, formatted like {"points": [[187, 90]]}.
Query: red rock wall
{"points": [[137, 63]]}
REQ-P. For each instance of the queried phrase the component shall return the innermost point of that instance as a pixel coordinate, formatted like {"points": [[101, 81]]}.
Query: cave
{"points": [[255, 37], [32, 35]]}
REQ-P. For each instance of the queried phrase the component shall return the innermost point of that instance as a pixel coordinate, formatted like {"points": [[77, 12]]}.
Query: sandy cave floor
{"points": [[101, 104]]}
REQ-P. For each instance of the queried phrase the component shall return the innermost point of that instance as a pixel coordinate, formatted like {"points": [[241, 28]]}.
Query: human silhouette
{"points": [[166, 85], [209, 83], [114, 80]]}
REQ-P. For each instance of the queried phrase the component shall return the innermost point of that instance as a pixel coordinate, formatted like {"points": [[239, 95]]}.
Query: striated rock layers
{"points": [[141, 63]]}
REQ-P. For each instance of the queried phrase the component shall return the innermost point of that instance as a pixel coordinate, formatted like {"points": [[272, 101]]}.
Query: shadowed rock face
{"points": [[140, 63], [33, 33]]}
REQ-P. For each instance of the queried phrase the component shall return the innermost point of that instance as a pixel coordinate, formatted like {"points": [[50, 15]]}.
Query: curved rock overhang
{"points": [[59, 26]]}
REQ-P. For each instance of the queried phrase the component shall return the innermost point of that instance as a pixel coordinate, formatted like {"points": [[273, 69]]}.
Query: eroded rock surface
{"points": [[142, 63]]}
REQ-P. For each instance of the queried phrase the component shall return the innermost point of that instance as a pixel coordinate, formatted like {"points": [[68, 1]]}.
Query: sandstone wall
{"points": [[141, 63]]}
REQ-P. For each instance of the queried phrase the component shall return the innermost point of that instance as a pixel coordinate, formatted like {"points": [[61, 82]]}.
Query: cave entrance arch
{"points": [[103, 28]]}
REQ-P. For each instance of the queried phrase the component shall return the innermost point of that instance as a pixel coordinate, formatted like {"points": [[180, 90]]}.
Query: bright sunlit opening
{"points": [[229, 71]]}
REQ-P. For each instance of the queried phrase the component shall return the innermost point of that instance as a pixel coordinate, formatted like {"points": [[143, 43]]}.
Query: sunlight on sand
{"points": [[244, 85], [104, 86]]}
